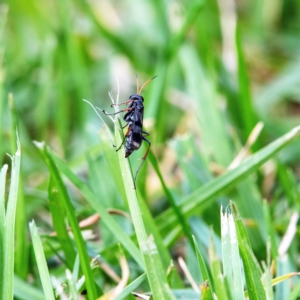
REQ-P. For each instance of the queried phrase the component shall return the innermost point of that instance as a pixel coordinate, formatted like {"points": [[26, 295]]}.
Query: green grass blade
{"points": [[226, 247], [9, 240], [206, 292], [153, 264], [171, 272], [252, 273], [180, 217], [277, 89], [3, 17], [176, 41], [75, 273], [201, 87], [155, 107], [152, 229], [218, 277], [207, 288], [113, 38], [295, 292], [282, 269], [2, 199], [245, 103], [58, 219], [2, 225], [249, 201], [199, 199], [41, 262], [191, 18], [80, 243], [25, 291], [282, 278], [3, 13], [131, 287], [72, 286], [111, 224], [267, 281], [231, 257], [270, 230], [21, 234]]}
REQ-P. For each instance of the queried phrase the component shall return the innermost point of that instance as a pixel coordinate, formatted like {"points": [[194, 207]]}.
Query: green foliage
{"points": [[71, 224]]}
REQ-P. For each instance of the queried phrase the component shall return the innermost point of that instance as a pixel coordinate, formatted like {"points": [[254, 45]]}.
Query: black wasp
{"points": [[135, 134]]}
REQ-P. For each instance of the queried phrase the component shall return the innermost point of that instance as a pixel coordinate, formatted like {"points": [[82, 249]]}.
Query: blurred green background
{"points": [[222, 67]]}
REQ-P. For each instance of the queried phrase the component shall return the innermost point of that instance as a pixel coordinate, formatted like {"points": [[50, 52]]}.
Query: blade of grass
{"points": [[207, 285], [226, 251], [270, 230], [171, 273], [249, 202], [199, 199], [131, 287], [21, 234], [180, 217], [153, 264], [3, 17], [149, 223], [294, 295], [201, 86], [44, 87], [267, 282], [252, 273], [73, 60], [58, 219], [80, 243], [3, 14], [75, 272], [25, 291], [289, 184], [41, 262], [152, 229], [115, 228], [284, 277], [231, 257], [115, 39], [2, 200], [205, 292], [9, 232], [282, 268], [71, 284], [2, 225], [277, 89], [171, 50], [245, 103], [218, 277]]}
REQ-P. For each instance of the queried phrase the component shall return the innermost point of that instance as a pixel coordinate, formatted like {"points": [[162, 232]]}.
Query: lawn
{"points": [[216, 207]]}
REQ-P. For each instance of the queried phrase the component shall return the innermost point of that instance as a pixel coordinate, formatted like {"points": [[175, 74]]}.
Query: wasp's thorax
{"points": [[136, 97]]}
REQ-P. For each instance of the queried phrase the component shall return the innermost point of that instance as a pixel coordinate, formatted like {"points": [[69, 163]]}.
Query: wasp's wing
{"points": [[138, 115]]}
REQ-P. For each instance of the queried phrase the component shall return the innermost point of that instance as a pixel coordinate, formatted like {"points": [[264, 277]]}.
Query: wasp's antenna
{"points": [[146, 84], [137, 83]]}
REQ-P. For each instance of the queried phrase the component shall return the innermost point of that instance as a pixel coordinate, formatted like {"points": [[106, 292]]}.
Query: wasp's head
{"points": [[136, 97]]}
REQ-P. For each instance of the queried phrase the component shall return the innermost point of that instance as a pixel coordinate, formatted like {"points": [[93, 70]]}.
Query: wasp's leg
{"points": [[125, 102], [126, 135], [123, 141], [143, 159], [149, 145], [145, 133], [125, 109]]}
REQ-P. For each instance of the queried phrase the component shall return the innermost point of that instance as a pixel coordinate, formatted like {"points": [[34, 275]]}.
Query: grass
{"points": [[70, 222]]}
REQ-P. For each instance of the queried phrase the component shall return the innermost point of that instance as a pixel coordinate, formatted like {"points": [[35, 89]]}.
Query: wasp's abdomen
{"points": [[133, 142]]}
